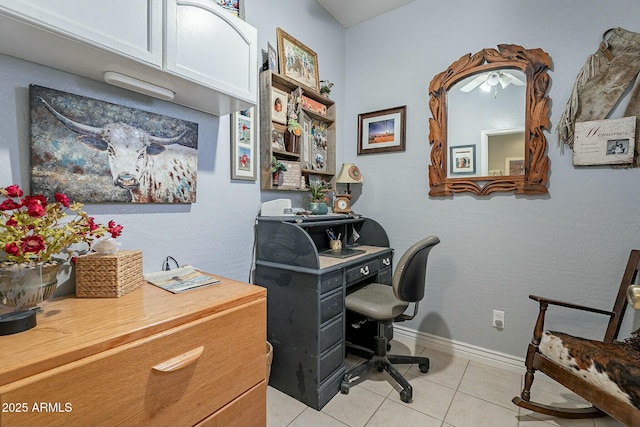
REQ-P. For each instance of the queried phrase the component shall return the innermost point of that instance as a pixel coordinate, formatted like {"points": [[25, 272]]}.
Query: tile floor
{"points": [[456, 392]]}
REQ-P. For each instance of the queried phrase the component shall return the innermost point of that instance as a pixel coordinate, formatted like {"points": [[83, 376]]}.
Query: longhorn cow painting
{"points": [[95, 151]]}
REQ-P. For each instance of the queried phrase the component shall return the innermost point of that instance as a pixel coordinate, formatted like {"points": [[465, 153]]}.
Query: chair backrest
{"points": [[620, 305], [410, 273]]}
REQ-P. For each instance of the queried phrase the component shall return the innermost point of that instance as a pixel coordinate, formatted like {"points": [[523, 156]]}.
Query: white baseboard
{"points": [[449, 346]]}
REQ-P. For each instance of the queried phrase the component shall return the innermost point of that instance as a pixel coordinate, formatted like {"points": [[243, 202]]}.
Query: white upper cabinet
{"points": [[194, 50], [227, 60], [129, 27]]}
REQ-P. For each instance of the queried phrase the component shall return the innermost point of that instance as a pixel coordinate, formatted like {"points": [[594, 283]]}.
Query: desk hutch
{"points": [[306, 283]]}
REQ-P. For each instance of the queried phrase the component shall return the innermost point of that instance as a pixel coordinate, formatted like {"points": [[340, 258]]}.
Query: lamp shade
{"points": [[349, 174]]}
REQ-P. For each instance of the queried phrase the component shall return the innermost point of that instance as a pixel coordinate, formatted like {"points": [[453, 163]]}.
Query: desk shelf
{"points": [[305, 305]]}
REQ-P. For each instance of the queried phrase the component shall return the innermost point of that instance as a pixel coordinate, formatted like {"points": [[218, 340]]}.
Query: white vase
{"points": [[27, 286]]}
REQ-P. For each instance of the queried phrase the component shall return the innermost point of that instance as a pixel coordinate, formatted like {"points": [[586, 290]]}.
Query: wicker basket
{"points": [[108, 276], [269, 359]]}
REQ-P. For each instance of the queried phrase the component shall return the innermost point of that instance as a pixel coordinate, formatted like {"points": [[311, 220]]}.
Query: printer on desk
{"points": [[278, 207]]}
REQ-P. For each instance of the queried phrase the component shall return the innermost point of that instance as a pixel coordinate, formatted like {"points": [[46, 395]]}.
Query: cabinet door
{"points": [[207, 44], [132, 28]]}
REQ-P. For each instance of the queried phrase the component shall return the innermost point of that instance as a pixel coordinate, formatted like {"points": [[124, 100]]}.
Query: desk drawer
{"points": [[330, 361], [331, 305], [330, 282], [176, 377], [362, 271], [331, 333]]}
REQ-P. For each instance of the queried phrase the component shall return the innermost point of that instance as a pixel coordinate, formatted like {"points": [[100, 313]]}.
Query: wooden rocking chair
{"points": [[603, 402]]}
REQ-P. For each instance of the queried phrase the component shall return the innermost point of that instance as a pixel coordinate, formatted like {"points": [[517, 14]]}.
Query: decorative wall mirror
{"points": [[486, 134]]}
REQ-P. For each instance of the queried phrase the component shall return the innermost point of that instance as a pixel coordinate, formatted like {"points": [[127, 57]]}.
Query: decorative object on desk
{"points": [[382, 131], [349, 174], [325, 87], [277, 169], [318, 204], [35, 235], [243, 146], [108, 275], [297, 61]]}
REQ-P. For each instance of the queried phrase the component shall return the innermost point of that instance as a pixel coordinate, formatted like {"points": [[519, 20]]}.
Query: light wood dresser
{"points": [[148, 358]]}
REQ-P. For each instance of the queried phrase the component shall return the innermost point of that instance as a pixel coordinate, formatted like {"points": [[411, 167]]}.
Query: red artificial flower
{"points": [[62, 198], [115, 230], [11, 222], [14, 191], [12, 249], [8, 205], [32, 244], [36, 205], [91, 223]]}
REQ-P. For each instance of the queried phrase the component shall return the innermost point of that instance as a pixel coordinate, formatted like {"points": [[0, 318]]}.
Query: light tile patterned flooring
{"points": [[456, 392]]}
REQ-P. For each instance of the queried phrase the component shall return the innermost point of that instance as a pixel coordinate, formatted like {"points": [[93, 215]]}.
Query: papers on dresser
{"points": [[180, 279]]}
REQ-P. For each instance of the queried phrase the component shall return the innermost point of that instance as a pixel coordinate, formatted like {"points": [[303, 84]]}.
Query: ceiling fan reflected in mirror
{"points": [[491, 79]]}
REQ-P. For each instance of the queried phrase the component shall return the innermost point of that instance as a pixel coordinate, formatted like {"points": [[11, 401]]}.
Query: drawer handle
{"points": [[386, 261], [180, 362], [364, 270]]}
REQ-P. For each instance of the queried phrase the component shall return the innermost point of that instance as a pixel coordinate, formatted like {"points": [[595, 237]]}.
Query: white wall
{"points": [[571, 244]]}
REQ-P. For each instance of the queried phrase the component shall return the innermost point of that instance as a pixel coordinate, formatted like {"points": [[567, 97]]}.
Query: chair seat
{"points": [[375, 301]]}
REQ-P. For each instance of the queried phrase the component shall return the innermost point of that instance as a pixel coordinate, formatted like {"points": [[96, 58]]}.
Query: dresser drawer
{"points": [[246, 410], [171, 378], [330, 282], [362, 271]]}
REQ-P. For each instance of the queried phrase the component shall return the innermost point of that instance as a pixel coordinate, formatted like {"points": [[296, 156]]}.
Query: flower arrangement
{"points": [[318, 189], [34, 231]]}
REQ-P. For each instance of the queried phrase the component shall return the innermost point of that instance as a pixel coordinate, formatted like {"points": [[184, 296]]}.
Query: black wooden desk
{"points": [[305, 296]]}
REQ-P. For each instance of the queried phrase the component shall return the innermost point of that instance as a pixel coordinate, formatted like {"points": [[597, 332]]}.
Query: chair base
{"points": [[556, 411], [381, 361]]}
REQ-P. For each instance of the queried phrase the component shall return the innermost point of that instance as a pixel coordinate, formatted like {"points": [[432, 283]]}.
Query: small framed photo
{"points": [[462, 159], [514, 165], [236, 7], [297, 61], [279, 102], [277, 137], [243, 146], [272, 58], [382, 131]]}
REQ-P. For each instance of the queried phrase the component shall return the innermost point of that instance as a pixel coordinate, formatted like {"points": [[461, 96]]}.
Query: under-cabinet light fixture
{"points": [[136, 85]]}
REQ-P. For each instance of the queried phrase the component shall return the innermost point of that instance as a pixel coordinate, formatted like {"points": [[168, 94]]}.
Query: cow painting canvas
{"points": [[95, 151]]}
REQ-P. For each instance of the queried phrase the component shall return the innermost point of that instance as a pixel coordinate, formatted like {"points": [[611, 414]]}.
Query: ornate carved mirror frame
{"points": [[534, 63]]}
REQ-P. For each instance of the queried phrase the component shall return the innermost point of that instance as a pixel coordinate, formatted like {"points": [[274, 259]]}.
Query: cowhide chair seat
{"points": [[613, 368], [605, 373]]}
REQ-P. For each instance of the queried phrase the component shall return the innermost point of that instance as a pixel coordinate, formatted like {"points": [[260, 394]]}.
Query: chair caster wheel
{"points": [[388, 347], [405, 396], [424, 367], [344, 387], [380, 369]]}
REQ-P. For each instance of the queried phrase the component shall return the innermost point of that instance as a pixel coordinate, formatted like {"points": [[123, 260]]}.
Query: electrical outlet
{"points": [[498, 319]]}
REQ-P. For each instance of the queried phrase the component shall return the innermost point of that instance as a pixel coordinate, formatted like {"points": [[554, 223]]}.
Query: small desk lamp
{"points": [[349, 174]]}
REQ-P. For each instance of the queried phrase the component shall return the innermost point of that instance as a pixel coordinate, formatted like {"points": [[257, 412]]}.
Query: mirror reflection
{"points": [[486, 121]]}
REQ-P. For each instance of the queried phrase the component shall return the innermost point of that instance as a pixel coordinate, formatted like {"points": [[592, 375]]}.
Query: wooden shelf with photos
{"points": [[313, 152]]}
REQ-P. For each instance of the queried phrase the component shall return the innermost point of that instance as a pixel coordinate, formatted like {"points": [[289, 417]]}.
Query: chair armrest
{"points": [[548, 301]]}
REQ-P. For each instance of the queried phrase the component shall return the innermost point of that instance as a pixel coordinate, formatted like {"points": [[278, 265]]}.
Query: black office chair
{"points": [[386, 304]]}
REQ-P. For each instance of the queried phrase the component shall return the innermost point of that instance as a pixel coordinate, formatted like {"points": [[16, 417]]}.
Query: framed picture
{"points": [[297, 61], [382, 131], [243, 146], [236, 7], [462, 159], [279, 102], [277, 137], [272, 57], [605, 142], [514, 165]]}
